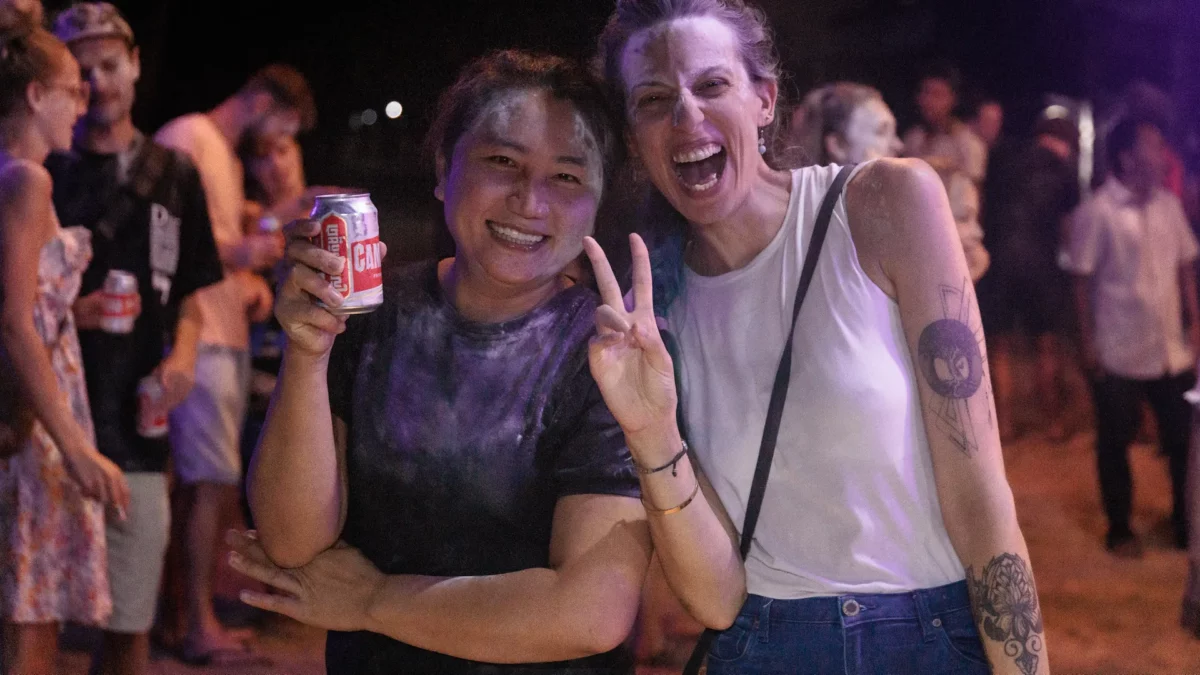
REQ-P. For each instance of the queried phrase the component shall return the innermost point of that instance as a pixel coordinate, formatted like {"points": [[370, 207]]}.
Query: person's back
{"points": [[1028, 193], [221, 174]]}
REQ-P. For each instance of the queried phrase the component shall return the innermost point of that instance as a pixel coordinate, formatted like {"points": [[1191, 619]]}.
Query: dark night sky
{"points": [[363, 54]]}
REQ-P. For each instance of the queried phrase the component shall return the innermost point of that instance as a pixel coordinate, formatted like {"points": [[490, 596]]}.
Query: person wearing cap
{"points": [[1029, 192], [145, 207]]}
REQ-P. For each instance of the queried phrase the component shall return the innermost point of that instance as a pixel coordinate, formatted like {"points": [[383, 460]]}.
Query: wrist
{"points": [[655, 445], [296, 359]]}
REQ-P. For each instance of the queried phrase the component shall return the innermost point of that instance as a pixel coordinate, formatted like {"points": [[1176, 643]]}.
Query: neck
{"points": [[229, 120], [24, 144], [1142, 190], [106, 138], [733, 242], [484, 301]]}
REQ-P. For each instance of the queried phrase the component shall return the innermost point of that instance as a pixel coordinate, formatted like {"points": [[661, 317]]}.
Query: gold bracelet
{"points": [[677, 509]]}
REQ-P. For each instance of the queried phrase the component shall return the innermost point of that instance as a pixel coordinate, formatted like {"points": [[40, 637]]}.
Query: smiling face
{"points": [[62, 100], [521, 190], [695, 115], [112, 68]]}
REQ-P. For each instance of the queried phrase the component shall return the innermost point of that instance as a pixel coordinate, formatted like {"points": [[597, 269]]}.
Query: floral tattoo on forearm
{"points": [[950, 357], [1005, 605]]}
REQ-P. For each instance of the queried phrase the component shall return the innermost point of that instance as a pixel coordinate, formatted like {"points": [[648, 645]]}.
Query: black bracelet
{"points": [[672, 465]]}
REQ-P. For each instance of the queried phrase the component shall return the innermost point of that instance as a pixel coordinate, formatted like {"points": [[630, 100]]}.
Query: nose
{"points": [[527, 200], [687, 113]]}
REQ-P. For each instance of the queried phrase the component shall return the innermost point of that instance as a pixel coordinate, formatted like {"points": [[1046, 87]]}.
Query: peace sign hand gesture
{"points": [[629, 361]]}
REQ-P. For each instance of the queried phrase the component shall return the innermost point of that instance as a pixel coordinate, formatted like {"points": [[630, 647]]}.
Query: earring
{"points": [[762, 143]]}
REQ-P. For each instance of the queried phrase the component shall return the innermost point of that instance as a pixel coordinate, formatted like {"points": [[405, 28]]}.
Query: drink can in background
{"points": [[120, 296], [152, 419], [350, 229]]}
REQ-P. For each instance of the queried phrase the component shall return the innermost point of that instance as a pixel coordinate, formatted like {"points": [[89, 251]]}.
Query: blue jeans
{"points": [[926, 631]]}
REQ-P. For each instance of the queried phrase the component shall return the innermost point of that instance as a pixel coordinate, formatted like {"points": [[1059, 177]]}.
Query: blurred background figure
{"points": [[849, 123], [145, 208], [1131, 252], [15, 12], [941, 138], [206, 429], [1029, 192], [987, 121], [54, 484]]}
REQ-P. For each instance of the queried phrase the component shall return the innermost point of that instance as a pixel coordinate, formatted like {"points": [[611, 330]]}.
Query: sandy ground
{"points": [[1103, 615]]}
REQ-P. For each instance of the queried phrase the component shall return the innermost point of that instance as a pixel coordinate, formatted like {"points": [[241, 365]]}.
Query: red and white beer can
{"points": [[350, 229], [152, 418], [120, 299]]}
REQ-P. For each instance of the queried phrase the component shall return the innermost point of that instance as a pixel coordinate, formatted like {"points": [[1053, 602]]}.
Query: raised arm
{"points": [[297, 479], [26, 224], [695, 539], [584, 603], [903, 228]]}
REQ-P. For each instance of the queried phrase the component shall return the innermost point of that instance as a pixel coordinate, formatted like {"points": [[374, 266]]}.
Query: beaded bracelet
{"points": [[676, 509], [673, 465]]}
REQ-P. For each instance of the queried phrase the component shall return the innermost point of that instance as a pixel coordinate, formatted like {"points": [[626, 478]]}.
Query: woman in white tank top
{"points": [[888, 539]]}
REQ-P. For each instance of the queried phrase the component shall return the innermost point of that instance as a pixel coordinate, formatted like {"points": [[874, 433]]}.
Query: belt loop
{"points": [[924, 617], [764, 621]]}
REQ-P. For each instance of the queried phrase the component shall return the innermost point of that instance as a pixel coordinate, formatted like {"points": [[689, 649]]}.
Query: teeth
{"points": [[697, 154], [706, 185], [516, 237]]}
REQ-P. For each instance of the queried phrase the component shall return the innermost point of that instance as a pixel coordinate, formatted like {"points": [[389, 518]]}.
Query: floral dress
{"points": [[53, 560]]}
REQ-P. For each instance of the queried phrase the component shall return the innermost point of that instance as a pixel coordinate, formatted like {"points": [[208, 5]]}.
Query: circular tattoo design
{"points": [[951, 359]]}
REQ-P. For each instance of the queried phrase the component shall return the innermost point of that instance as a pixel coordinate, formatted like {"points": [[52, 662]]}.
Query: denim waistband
{"points": [[855, 608]]}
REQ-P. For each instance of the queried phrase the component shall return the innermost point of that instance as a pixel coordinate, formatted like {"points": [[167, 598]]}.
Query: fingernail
{"points": [[121, 513]]}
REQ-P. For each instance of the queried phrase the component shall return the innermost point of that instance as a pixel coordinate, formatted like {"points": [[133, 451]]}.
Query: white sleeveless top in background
{"points": [[851, 504]]}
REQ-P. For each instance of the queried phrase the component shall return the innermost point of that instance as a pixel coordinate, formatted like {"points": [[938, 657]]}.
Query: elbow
{"points": [[285, 554], [722, 614]]}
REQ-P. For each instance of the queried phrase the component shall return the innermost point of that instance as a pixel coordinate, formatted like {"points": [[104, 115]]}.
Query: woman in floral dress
{"points": [[54, 485]]}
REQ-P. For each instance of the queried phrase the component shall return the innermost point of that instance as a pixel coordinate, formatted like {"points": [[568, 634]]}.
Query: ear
{"points": [[836, 148], [135, 55], [768, 94], [439, 164], [35, 94]]}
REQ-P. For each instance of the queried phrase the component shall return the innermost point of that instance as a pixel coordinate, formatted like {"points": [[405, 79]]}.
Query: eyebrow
{"points": [[576, 160], [707, 72]]}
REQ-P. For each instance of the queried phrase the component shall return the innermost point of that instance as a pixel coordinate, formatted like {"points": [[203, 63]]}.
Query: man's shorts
{"points": [[207, 426], [136, 549]]}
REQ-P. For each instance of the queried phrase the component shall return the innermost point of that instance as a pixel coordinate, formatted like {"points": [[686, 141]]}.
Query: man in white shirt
{"points": [[206, 428], [1131, 252]]}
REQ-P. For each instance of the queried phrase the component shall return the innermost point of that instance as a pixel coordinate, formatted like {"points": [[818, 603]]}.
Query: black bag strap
{"points": [[766, 450]]}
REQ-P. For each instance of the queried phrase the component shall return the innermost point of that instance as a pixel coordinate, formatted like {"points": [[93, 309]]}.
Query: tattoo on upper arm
{"points": [[1005, 605], [950, 357]]}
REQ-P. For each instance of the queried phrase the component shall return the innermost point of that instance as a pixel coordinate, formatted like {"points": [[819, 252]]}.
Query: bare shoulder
{"points": [[898, 215], [22, 179]]}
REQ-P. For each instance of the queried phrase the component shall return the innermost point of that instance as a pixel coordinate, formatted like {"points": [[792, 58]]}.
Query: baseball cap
{"points": [[84, 20]]}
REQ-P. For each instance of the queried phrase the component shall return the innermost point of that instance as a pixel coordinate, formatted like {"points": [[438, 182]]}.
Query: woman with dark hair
{"points": [[54, 483], [439, 482], [887, 539]]}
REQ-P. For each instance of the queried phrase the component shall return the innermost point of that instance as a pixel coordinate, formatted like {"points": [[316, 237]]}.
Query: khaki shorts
{"points": [[206, 429], [137, 547]]}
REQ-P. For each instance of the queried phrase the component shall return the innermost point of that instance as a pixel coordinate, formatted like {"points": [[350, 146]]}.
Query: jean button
{"points": [[851, 607], [937, 623]]}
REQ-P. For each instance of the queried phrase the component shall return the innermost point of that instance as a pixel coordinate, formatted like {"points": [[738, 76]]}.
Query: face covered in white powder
{"points": [[522, 189], [695, 115], [870, 133]]}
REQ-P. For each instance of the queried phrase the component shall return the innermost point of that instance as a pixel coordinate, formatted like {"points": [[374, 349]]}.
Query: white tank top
{"points": [[851, 505]]}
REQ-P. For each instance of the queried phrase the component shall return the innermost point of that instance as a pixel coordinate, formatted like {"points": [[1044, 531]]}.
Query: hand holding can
{"points": [[309, 327], [349, 229], [120, 302], [152, 411]]}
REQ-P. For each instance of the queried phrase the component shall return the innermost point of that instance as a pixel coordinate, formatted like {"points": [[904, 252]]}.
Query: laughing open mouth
{"points": [[700, 169]]}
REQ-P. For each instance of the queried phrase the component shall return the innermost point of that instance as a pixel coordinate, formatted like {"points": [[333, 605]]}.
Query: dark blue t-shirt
{"points": [[462, 437]]}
